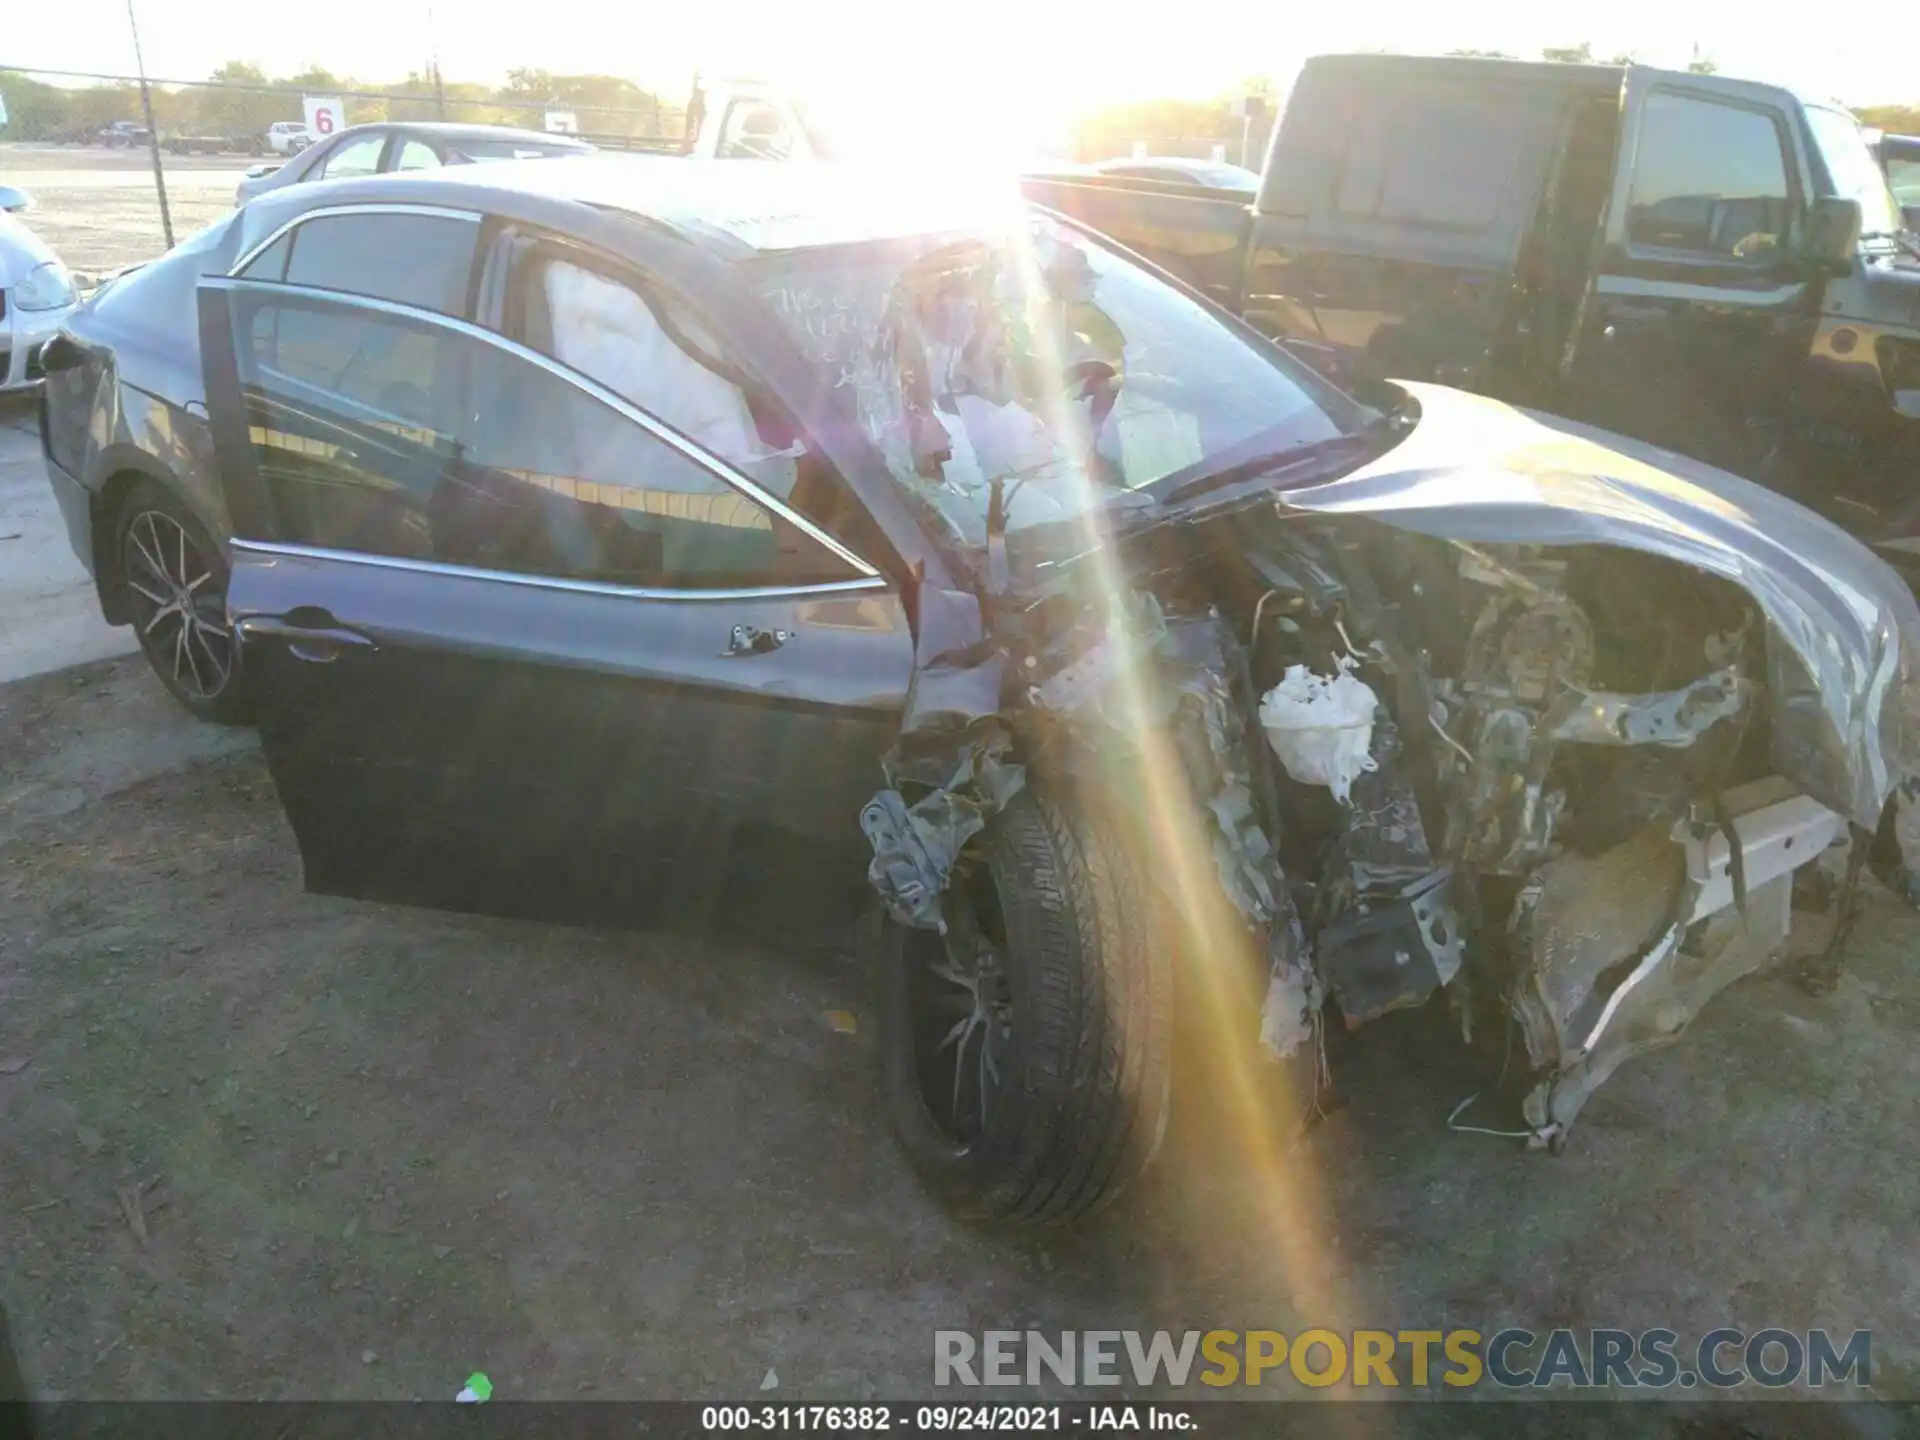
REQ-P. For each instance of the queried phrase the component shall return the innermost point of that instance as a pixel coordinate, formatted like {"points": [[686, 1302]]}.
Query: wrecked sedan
{"points": [[610, 527]]}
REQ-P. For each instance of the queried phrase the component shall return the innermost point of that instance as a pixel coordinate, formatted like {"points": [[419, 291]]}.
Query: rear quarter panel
{"points": [[132, 404]]}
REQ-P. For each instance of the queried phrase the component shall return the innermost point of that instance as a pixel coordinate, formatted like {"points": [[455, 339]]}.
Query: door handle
{"points": [[319, 644], [745, 640]]}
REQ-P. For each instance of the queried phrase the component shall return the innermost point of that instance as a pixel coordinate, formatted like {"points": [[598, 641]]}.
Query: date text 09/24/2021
{"points": [[914, 1419]]}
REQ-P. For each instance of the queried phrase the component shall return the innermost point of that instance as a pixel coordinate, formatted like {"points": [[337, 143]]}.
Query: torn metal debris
{"points": [[915, 847]]}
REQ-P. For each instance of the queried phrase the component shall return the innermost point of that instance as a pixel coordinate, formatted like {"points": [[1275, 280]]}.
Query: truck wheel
{"points": [[175, 581], [1027, 1053]]}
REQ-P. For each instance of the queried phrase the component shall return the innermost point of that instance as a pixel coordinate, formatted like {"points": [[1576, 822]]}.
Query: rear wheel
{"points": [[1027, 1051], [175, 581]]}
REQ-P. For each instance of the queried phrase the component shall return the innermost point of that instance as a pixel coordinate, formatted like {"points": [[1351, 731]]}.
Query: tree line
{"points": [[230, 103]]}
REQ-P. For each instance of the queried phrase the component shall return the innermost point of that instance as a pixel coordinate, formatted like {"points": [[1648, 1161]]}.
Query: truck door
{"points": [[1698, 313]]}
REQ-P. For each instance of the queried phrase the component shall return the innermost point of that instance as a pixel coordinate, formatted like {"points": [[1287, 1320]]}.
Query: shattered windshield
{"points": [[1856, 173], [1040, 359]]}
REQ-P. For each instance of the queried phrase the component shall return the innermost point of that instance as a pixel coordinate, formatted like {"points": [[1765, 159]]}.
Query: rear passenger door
{"points": [[520, 645], [1698, 315]]}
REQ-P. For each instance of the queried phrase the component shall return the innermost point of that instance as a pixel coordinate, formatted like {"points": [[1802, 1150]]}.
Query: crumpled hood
{"points": [[20, 251], [1844, 630]]}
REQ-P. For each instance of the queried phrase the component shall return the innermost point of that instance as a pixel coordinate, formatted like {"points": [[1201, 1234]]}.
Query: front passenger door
{"points": [[518, 647], [1698, 315]]}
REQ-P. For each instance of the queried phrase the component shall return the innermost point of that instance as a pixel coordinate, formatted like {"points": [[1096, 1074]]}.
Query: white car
{"points": [[36, 294], [288, 137]]}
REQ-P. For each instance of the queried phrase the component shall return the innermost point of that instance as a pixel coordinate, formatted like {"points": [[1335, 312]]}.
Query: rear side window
{"points": [[1708, 177], [416, 155], [1431, 158], [358, 156], [419, 260]]}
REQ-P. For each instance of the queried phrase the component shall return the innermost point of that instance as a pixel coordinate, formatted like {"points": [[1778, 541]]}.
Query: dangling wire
{"points": [[1453, 1123]]}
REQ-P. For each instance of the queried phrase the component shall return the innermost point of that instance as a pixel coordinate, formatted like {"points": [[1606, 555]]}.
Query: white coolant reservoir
{"points": [[1321, 726]]}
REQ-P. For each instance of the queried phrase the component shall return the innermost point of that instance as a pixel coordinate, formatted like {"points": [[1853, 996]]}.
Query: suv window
{"points": [[1708, 177], [419, 260], [358, 156], [1431, 158], [754, 130], [394, 436], [1904, 176]]}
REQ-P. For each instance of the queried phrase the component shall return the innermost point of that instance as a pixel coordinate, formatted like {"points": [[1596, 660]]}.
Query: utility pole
{"points": [[433, 59], [153, 131]]}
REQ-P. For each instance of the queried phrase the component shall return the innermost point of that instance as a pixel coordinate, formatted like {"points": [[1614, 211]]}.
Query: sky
{"points": [[1019, 59]]}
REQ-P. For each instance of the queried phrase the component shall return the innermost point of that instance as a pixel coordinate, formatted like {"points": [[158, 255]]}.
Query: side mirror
{"points": [[1831, 240], [1911, 217], [14, 200]]}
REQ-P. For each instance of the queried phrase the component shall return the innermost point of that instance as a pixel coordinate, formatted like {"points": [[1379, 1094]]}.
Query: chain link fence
{"points": [[231, 115]]}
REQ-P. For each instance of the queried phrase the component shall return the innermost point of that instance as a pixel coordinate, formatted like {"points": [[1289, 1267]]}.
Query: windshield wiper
{"points": [[1270, 464]]}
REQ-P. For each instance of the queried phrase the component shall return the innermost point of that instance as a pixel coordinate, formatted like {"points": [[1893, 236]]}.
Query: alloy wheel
{"points": [[179, 605], [965, 1002]]}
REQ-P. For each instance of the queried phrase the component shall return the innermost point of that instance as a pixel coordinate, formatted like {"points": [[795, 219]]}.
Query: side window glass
{"points": [[754, 130], [1904, 177], [358, 156], [1709, 178], [393, 436], [1434, 159], [658, 356], [417, 155], [271, 263], [1314, 135], [421, 260]]}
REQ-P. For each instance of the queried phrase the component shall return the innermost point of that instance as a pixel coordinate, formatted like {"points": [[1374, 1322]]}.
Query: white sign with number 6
{"points": [[325, 115]]}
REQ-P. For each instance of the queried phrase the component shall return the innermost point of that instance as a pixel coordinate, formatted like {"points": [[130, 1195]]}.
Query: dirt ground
{"points": [[259, 1144], [374, 1148], [97, 207]]}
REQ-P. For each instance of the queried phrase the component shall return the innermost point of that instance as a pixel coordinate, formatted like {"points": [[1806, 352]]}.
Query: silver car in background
{"points": [[363, 150], [36, 293]]}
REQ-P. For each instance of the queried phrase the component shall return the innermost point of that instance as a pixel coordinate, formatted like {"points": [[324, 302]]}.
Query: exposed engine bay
{"points": [[1543, 781], [1455, 699]]}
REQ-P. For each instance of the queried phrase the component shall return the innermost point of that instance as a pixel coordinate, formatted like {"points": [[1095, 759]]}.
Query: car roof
{"points": [[1478, 67], [1481, 69], [733, 208], [457, 130], [454, 130]]}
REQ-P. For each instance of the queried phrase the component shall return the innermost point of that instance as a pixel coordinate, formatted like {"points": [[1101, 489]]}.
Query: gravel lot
{"points": [[256, 1143], [97, 207]]}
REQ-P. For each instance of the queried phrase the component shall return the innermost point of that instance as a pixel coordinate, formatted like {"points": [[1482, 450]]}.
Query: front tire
{"points": [[175, 582], [1027, 1054]]}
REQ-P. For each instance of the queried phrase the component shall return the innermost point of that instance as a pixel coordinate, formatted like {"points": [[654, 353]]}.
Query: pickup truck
{"points": [[1710, 264], [1900, 158]]}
